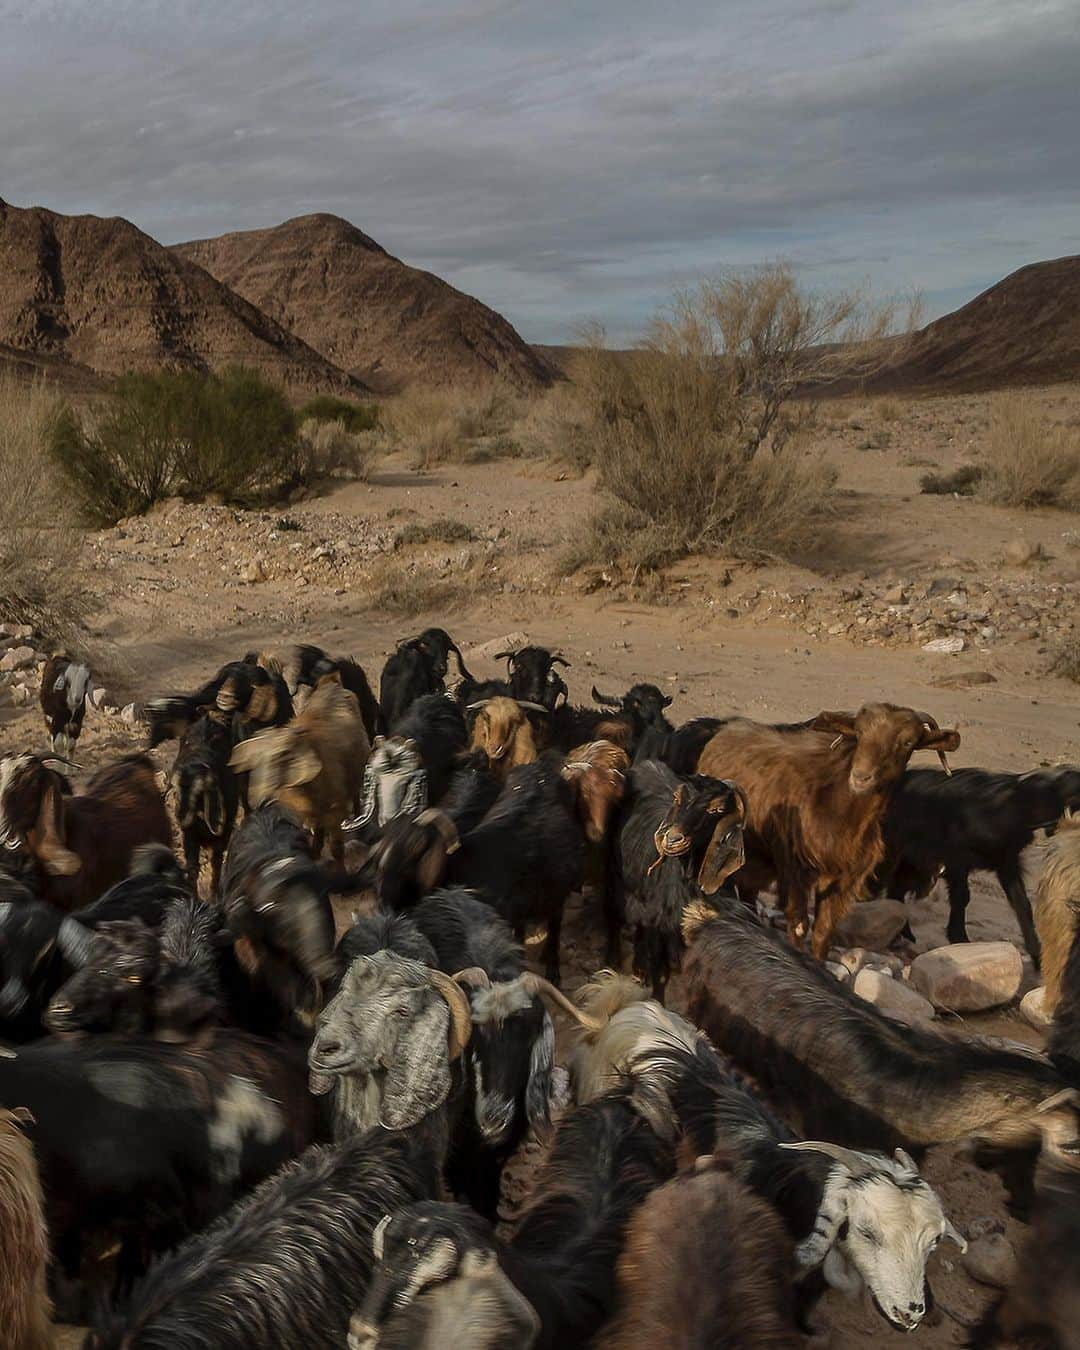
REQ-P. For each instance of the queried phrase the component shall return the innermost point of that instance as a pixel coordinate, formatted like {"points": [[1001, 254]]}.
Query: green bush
{"points": [[168, 433], [356, 417]]}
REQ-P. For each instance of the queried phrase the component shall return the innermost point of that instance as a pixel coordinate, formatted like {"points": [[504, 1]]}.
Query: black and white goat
{"points": [[65, 687]]}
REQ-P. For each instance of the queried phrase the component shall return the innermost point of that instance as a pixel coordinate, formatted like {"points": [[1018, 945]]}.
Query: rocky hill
{"points": [[104, 297], [365, 310], [1025, 329]]}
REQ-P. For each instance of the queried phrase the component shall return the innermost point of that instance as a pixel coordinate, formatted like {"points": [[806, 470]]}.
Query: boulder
{"points": [[991, 1259], [21, 695], [253, 571], [873, 923], [944, 646], [17, 658], [969, 976], [1020, 551], [487, 651], [1033, 1008], [894, 998]]}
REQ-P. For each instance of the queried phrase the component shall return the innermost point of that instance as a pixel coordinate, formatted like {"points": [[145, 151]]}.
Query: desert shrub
{"points": [[450, 424], [330, 448], [1066, 660], [164, 433], [556, 426], [1029, 461], [696, 434], [961, 482], [889, 409], [355, 417], [41, 579], [408, 589], [442, 530]]}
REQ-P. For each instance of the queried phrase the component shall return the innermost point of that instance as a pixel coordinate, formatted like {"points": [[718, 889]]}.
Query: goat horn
{"points": [[59, 759], [945, 762], [532, 707], [536, 984], [1066, 1097], [460, 1014], [856, 1163], [608, 699], [474, 707], [956, 1236], [474, 977]]}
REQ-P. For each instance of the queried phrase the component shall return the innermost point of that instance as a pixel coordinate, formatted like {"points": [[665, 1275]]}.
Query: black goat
{"points": [[417, 667], [312, 663], [971, 820], [288, 1265], [277, 900], [624, 720], [207, 794], [251, 691], [676, 840], [65, 685], [530, 678], [847, 1071], [142, 1143]]}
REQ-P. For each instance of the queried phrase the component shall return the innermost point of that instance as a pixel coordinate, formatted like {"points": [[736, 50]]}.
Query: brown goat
{"points": [[82, 844], [504, 733], [1057, 906], [816, 798], [597, 773], [25, 1309], [314, 765], [706, 1265]]}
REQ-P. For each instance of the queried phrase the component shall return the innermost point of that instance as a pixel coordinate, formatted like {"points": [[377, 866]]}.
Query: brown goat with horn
{"points": [[25, 1309], [504, 733], [817, 797]]}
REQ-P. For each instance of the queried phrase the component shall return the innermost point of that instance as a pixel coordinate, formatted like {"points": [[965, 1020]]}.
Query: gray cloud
{"points": [[574, 159]]}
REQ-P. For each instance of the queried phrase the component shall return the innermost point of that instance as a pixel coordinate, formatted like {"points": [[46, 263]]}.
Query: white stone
{"points": [[129, 716], [487, 651], [946, 646], [837, 971], [873, 923], [17, 658], [21, 695], [253, 571], [1033, 1008], [893, 997], [969, 976]]}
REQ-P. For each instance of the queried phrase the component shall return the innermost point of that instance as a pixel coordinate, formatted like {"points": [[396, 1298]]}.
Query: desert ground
{"points": [[190, 586]]}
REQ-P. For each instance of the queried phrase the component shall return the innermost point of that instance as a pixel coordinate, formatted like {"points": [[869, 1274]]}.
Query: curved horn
{"points": [[64, 765], [378, 1236], [74, 941], [856, 1163], [608, 700], [557, 659], [532, 707], [474, 977], [475, 707], [536, 984], [460, 1014]]}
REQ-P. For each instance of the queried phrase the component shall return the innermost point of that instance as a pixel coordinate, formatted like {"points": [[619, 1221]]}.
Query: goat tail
{"points": [[607, 993]]}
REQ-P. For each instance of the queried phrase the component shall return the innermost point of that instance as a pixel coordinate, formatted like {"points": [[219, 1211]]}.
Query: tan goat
{"points": [[25, 1309], [1057, 906], [504, 733], [314, 765]]}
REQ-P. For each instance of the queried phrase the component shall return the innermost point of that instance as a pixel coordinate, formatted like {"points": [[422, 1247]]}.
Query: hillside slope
{"points": [[366, 311], [103, 295]]}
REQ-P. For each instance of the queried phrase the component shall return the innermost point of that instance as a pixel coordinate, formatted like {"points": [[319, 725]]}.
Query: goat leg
{"points": [[551, 947], [956, 883], [1012, 883]]}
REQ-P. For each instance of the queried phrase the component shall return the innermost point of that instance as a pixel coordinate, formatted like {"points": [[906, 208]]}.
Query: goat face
{"points": [[111, 992], [705, 823], [597, 775], [198, 798], [878, 1224], [394, 1025], [438, 1271], [884, 737], [503, 732], [395, 783], [280, 907], [32, 813], [533, 678], [511, 1054]]}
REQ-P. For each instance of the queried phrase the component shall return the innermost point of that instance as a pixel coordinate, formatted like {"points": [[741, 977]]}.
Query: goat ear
{"points": [[46, 837], [838, 723], [724, 855], [262, 705], [432, 864], [538, 1087], [247, 754], [418, 1079], [304, 766]]}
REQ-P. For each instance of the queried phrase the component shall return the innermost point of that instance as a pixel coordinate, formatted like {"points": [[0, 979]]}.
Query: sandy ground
{"points": [[173, 609]]}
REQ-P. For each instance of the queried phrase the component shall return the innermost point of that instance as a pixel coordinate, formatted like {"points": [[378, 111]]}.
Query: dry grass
{"points": [[889, 409], [441, 530], [453, 424], [41, 578], [1029, 461], [556, 426], [961, 482], [416, 587], [331, 449], [1066, 660]]}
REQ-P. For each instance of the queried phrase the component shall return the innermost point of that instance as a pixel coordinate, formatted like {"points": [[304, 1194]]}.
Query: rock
{"points": [[893, 997], [21, 695], [991, 1259], [253, 571], [129, 716], [895, 595], [17, 658], [946, 646], [1020, 551], [852, 960], [942, 585], [97, 698], [873, 923], [969, 976], [985, 1223], [489, 650], [1033, 1009], [964, 679], [23, 632]]}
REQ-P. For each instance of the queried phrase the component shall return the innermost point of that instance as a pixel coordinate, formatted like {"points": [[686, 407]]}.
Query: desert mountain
{"points": [[1025, 329], [100, 295], [365, 310]]}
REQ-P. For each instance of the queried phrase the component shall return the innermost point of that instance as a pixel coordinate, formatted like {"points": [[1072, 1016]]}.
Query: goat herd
{"points": [[225, 1128]]}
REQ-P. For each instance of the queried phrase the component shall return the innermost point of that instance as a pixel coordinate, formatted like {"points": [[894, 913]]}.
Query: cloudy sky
{"points": [[569, 160]]}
